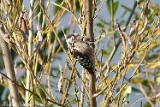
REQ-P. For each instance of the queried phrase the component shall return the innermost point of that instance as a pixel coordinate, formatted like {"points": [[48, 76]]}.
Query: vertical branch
{"points": [[89, 19], [82, 91], [90, 34], [9, 69], [29, 47]]}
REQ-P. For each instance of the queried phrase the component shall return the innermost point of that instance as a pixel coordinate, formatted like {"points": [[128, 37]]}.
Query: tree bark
{"points": [[9, 69], [90, 34]]}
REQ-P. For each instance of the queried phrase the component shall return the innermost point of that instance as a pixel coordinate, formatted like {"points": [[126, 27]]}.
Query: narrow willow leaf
{"points": [[116, 6]]}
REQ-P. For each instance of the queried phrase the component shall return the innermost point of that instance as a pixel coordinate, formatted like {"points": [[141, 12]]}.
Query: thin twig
{"points": [[144, 93], [30, 38], [16, 84], [118, 43]]}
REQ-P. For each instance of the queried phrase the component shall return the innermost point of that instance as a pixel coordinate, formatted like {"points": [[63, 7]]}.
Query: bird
{"points": [[82, 51]]}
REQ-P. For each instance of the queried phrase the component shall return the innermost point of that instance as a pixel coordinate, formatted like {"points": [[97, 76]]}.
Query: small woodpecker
{"points": [[82, 51]]}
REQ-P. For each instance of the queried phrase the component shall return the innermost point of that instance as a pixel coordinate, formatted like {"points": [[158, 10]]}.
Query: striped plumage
{"points": [[82, 52]]}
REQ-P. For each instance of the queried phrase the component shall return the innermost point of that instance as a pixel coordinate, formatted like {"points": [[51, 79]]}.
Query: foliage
{"points": [[127, 64]]}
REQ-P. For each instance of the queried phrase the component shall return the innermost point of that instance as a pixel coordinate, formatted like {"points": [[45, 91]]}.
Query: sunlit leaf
{"points": [[137, 81], [158, 80], [153, 64], [155, 13], [127, 90], [140, 2]]}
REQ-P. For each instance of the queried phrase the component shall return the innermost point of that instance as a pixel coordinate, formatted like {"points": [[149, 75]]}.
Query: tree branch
{"points": [[89, 32], [28, 82], [9, 69]]}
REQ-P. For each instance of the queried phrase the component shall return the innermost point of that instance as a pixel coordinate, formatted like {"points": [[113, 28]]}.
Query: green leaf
{"points": [[153, 56], [77, 6], [127, 91], [75, 92], [136, 90], [158, 51], [108, 51], [122, 22], [126, 8], [145, 83], [1, 92], [56, 8], [1, 62], [100, 24], [41, 15], [38, 91], [108, 6], [116, 6], [124, 13], [155, 13], [71, 102], [58, 73], [126, 96], [158, 80], [60, 34], [147, 104]]}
